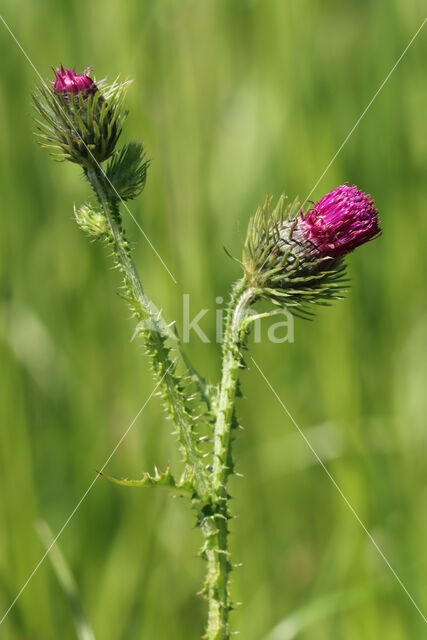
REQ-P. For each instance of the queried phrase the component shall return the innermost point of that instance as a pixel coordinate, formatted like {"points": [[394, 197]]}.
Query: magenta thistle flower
{"points": [[342, 220], [68, 81]]}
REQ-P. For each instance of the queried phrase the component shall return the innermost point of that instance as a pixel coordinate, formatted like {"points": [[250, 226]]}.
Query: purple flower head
{"points": [[68, 81], [342, 220]]}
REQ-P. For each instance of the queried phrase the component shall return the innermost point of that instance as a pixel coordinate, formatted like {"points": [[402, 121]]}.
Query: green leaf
{"points": [[207, 391], [127, 171], [164, 480]]}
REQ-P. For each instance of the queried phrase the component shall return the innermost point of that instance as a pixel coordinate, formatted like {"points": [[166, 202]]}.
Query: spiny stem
{"points": [[232, 361], [164, 368], [212, 490], [217, 577], [215, 527]]}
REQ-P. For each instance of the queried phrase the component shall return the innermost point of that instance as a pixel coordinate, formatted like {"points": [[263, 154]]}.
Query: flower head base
{"points": [[68, 81], [295, 259], [80, 119], [342, 220]]}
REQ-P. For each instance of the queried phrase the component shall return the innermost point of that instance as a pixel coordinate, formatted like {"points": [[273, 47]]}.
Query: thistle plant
{"points": [[292, 259]]}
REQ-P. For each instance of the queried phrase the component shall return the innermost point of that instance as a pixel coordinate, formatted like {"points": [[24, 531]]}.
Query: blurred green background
{"points": [[233, 99]]}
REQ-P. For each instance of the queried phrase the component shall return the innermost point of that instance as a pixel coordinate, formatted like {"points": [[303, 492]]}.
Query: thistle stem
{"points": [[233, 343], [154, 336], [212, 490], [215, 525]]}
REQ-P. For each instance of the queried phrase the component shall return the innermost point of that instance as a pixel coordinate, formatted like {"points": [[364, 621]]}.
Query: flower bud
{"points": [[68, 81], [81, 119], [294, 259], [92, 220]]}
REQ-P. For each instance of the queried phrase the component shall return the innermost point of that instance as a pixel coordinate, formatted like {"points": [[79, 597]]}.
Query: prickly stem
{"points": [[215, 526], [152, 331]]}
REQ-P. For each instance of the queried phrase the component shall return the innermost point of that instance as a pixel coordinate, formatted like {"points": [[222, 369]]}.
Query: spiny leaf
{"points": [[164, 480], [127, 171]]}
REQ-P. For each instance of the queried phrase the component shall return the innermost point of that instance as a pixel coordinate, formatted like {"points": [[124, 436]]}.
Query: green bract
{"points": [[92, 220], [82, 127], [282, 268], [127, 171]]}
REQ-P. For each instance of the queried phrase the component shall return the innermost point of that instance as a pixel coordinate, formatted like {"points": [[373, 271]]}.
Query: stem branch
{"points": [[151, 329]]}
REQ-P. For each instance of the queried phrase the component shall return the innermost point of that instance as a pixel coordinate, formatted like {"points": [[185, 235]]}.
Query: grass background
{"points": [[233, 100]]}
